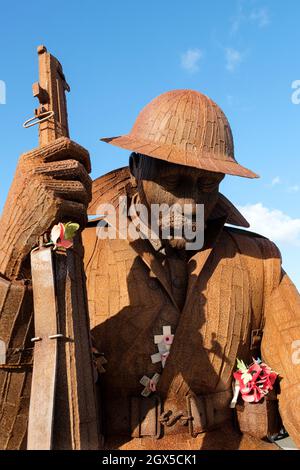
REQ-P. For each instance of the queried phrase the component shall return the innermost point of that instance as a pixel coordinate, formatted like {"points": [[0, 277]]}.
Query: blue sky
{"points": [[118, 55]]}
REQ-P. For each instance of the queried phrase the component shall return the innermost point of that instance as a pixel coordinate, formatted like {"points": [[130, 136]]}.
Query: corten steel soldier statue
{"points": [[229, 299]]}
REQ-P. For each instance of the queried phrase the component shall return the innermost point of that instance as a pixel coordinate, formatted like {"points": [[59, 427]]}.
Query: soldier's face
{"points": [[161, 182]]}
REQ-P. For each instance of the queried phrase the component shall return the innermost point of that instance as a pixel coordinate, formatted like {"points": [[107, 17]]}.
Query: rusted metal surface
{"points": [[50, 91], [184, 127], [75, 417], [63, 409], [40, 425]]}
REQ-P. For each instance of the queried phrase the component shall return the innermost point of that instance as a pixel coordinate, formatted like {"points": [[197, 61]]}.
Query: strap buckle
{"points": [[168, 419]]}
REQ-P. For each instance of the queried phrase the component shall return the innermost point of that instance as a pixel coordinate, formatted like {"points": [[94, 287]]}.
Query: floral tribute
{"points": [[253, 382], [61, 235]]}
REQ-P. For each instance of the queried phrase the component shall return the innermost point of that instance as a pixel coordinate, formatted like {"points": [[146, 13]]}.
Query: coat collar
{"points": [[195, 264], [148, 252]]}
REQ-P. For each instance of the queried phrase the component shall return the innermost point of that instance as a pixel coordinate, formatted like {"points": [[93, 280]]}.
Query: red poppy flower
{"points": [[255, 381]]}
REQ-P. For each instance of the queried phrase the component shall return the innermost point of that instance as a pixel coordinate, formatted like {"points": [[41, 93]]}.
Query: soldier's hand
{"points": [[51, 185]]}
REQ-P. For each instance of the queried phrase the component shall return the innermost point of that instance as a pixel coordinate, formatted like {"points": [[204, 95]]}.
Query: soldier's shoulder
{"points": [[243, 232], [246, 238], [100, 232]]}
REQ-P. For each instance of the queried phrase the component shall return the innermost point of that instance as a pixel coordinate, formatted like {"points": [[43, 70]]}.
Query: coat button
{"points": [[177, 282], [153, 284]]}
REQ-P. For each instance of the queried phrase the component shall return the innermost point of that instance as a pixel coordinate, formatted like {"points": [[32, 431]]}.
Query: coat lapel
{"points": [[198, 261], [147, 254]]}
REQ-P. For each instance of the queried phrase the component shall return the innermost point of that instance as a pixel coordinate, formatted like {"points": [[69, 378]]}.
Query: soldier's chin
{"points": [[177, 243]]}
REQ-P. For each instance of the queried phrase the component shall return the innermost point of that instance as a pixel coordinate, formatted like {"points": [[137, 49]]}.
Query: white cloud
{"points": [[272, 223], [290, 189], [233, 58], [260, 16], [275, 181], [190, 60], [246, 14]]}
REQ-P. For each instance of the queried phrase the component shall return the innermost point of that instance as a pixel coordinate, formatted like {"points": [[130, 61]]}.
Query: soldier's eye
{"points": [[208, 185], [171, 181]]}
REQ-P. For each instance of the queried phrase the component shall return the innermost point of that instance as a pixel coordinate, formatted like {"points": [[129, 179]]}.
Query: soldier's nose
{"points": [[188, 204]]}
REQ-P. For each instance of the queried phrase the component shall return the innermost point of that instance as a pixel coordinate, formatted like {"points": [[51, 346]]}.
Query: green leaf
{"points": [[70, 230], [242, 366]]}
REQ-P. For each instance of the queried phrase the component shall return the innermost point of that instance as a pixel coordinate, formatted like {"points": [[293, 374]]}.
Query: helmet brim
{"points": [[204, 160]]}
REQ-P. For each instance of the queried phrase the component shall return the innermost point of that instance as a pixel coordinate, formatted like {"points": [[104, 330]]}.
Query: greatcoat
{"points": [[216, 303]]}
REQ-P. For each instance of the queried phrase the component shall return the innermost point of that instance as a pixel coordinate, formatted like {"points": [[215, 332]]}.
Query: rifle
{"points": [[63, 407]]}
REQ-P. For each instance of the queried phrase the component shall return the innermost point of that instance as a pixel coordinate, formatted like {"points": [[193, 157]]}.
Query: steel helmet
{"points": [[187, 128]]}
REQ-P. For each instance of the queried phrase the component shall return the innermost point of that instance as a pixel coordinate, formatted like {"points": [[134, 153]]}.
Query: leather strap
{"points": [[145, 414]]}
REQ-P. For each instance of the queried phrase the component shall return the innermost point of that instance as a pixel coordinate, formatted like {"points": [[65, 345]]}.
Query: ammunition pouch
{"points": [[194, 415], [261, 419]]}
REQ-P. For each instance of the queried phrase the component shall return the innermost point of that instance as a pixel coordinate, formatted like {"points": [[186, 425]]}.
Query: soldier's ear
{"points": [[134, 164]]}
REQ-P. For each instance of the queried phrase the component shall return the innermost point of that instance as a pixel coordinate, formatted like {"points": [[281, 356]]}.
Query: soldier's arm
{"points": [[281, 349], [50, 183]]}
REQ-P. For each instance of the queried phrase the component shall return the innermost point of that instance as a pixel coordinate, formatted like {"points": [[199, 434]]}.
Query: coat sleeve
{"points": [[281, 349], [16, 313]]}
